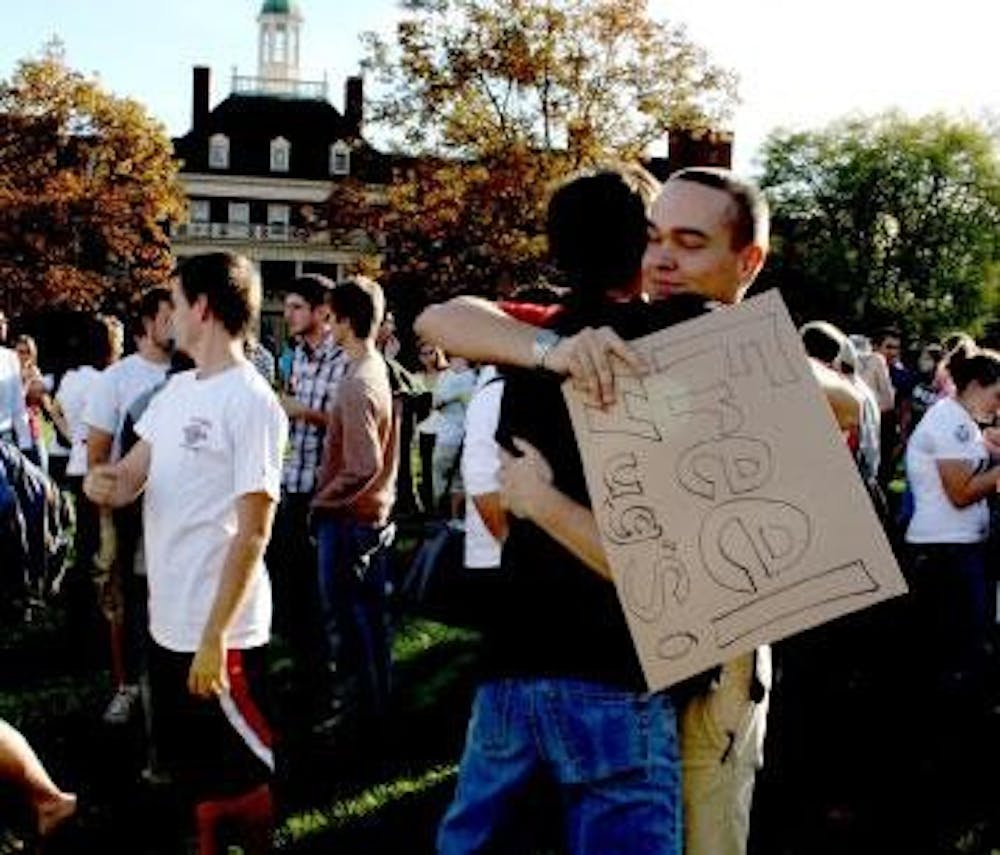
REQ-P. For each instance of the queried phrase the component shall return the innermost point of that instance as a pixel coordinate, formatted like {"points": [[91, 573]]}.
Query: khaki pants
{"points": [[722, 739]]}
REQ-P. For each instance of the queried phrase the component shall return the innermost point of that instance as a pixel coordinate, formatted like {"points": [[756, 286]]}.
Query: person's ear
{"points": [[749, 262]]}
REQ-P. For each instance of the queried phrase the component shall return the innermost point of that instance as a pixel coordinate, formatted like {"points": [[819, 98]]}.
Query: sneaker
{"points": [[122, 705]]}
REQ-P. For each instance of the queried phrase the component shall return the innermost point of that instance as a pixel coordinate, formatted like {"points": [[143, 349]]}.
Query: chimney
{"points": [[199, 98], [700, 148], [354, 103]]}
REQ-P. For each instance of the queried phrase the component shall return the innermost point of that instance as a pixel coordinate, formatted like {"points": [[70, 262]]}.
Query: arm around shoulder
{"points": [[478, 330]]}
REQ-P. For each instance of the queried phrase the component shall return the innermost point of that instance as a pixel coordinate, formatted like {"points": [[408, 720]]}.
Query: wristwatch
{"points": [[544, 341]]}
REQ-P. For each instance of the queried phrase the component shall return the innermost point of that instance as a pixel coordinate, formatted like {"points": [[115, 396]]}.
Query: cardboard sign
{"points": [[729, 506]]}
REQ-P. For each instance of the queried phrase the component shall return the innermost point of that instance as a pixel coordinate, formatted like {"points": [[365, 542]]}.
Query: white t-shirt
{"points": [[481, 467], [212, 440], [451, 396], [946, 432], [119, 386], [74, 391], [13, 415]]}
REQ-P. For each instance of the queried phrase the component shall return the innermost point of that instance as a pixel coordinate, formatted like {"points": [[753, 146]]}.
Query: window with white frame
{"points": [[340, 158], [239, 220], [200, 211], [281, 44], [280, 154], [239, 212], [278, 218], [218, 152]]}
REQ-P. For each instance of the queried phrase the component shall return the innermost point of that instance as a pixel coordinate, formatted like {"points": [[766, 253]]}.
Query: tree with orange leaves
{"points": [[87, 184]]}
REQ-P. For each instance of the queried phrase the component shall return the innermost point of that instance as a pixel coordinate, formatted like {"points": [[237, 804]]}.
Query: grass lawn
{"points": [[334, 796], [850, 790]]}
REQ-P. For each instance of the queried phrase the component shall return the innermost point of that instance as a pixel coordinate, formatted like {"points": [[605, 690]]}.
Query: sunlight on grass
{"points": [[54, 696], [418, 636], [310, 823]]}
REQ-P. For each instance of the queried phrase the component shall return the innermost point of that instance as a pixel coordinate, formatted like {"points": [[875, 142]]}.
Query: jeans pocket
{"points": [[605, 734], [491, 723]]}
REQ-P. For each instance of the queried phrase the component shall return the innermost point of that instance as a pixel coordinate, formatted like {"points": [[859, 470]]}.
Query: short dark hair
{"points": [[230, 284], [752, 216], [880, 335], [360, 302], [598, 229], [98, 341], [967, 363], [311, 287], [147, 308]]}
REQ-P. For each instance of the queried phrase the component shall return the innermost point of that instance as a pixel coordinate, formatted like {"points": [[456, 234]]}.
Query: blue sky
{"points": [[802, 62]]}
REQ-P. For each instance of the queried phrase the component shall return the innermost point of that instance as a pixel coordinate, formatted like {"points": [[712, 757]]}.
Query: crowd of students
{"points": [[259, 489]]}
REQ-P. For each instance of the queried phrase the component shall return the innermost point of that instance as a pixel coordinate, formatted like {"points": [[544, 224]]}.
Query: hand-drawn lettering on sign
{"points": [[703, 477], [649, 586], [734, 351], [730, 465], [631, 415], [652, 592], [623, 521], [748, 542]]}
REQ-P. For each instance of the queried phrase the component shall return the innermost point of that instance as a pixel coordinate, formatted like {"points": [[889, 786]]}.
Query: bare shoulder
{"points": [[843, 398]]}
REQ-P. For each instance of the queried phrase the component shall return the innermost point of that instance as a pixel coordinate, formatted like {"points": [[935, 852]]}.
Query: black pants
{"points": [[426, 446], [216, 747], [291, 561]]}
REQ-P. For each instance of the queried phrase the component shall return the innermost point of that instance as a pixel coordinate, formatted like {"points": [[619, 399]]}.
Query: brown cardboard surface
{"points": [[729, 506]]}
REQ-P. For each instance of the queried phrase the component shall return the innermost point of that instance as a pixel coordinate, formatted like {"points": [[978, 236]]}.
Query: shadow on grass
{"points": [[345, 794], [840, 776]]}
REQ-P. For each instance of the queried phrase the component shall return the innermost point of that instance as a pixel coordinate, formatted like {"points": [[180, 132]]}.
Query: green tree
{"points": [[506, 97], [87, 184], [887, 219]]}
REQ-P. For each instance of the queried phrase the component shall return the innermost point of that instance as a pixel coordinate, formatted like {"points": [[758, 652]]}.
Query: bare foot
{"points": [[54, 811]]}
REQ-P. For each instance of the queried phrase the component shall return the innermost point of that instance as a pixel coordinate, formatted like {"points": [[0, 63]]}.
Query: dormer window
{"points": [[218, 152], [340, 158], [280, 154]]}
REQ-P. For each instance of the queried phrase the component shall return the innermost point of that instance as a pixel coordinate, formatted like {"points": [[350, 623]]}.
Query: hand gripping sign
{"points": [[729, 506]]}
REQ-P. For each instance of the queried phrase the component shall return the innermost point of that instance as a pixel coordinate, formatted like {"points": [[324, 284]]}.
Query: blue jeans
{"points": [[612, 753], [353, 576]]}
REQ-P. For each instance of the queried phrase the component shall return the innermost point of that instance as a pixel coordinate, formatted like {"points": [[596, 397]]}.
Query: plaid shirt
{"points": [[261, 358], [313, 382]]}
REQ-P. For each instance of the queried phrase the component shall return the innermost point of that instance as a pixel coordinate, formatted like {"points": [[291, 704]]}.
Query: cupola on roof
{"points": [[278, 7]]}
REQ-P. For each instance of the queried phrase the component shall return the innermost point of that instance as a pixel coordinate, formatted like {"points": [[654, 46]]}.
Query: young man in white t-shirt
{"points": [[209, 460], [108, 399], [125, 380]]}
